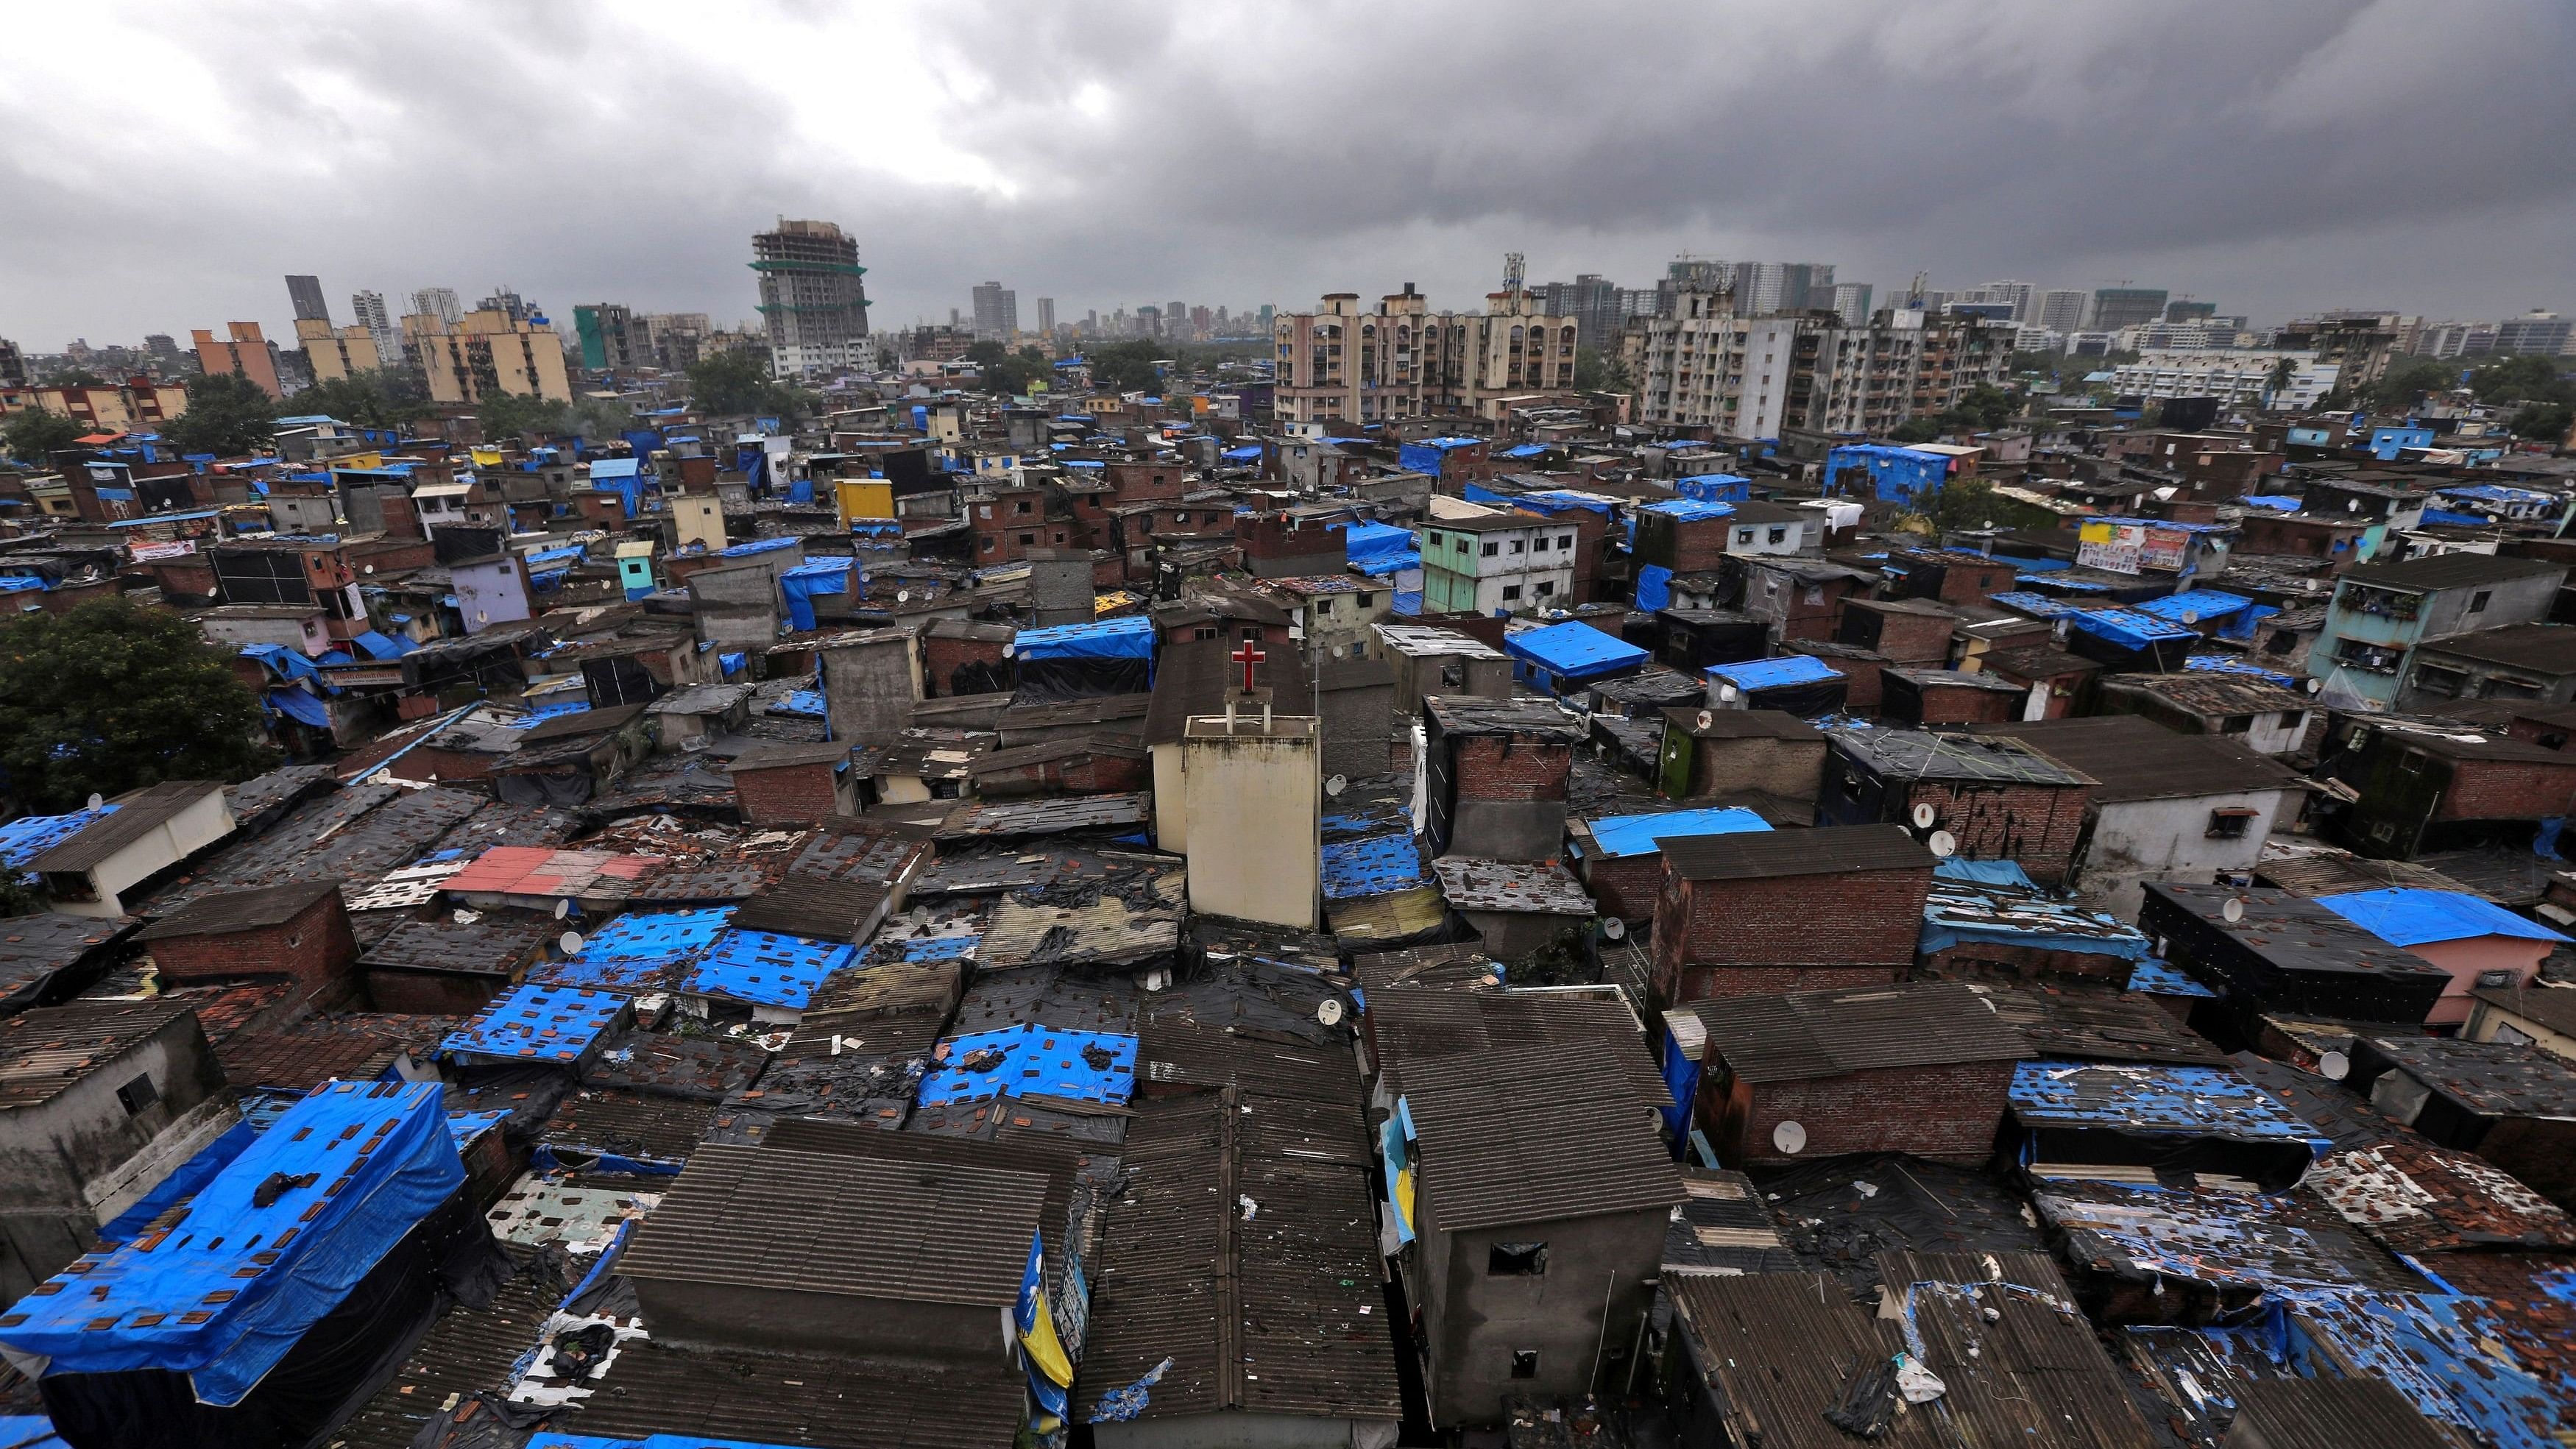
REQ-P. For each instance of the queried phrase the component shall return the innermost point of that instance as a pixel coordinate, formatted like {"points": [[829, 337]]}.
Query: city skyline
{"points": [[2275, 158]]}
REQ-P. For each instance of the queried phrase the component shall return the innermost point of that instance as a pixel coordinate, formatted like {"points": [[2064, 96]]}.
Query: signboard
{"points": [[2165, 548], [2114, 547], [154, 552]]}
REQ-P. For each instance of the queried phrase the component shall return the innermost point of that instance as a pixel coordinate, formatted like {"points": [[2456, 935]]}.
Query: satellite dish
{"points": [[2334, 1066], [371, 568], [1336, 785], [903, 596], [2191, 616], [1614, 928], [569, 942], [1329, 1011], [1943, 844], [1337, 651], [96, 799], [1924, 816], [563, 908], [482, 616], [2233, 911], [2316, 686], [1726, 694], [1790, 1138], [1707, 718], [2308, 584]]}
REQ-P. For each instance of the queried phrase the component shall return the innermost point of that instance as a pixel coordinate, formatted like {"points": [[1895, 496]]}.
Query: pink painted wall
{"points": [[2467, 958]]}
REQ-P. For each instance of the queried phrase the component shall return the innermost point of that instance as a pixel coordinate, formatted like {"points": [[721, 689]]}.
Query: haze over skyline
{"points": [[2276, 159]]}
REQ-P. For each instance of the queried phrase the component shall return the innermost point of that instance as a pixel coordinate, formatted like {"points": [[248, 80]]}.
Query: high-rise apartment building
{"points": [[675, 340], [332, 353], [2062, 309], [997, 312], [2021, 295], [1851, 302], [306, 294], [373, 315], [487, 352], [1176, 321], [1046, 316], [1592, 301], [2118, 307], [240, 352], [2544, 334], [438, 302], [1404, 360], [811, 296], [612, 338], [13, 364], [1750, 375]]}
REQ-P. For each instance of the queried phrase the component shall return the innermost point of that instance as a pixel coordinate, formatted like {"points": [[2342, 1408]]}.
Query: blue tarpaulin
{"points": [[621, 477], [384, 647], [186, 1182], [2404, 916], [1691, 509], [2155, 1101], [640, 951], [1127, 638], [1371, 866], [1573, 651], [2155, 976], [1082, 1066], [300, 707], [532, 1022], [1715, 488], [225, 1293], [2207, 606], [30, 835], [1654, 587], [1247, 454], [2128, 628], [1752, 674], [2231, 664], [2038, 606], [1895, 475], [765, 968], [2277, 501], [1363, 541], [801, 584], [1620, 836]]}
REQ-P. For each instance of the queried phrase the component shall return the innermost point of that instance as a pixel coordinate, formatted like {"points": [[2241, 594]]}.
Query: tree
{"points": [[1985, 407], [1125, 367], [1924, 429], [1008, 372], [34, 434], [2520, 379], [2543, 422], [521, 414], [1969, 503], [227, 416], [737, 382], [2404, 384], [112, 697], [384, 398], [2283, 369]]}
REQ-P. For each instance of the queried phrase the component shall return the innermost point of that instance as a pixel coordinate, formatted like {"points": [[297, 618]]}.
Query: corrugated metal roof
{"points": [[1778, 1349], [2133, 758], [246, 910], [46, 1051], [2332, 1413], [1806, 1035], [652, 1389], [1244, 1249], [759, 1217], [1411, 1027], [1534, 1135]]}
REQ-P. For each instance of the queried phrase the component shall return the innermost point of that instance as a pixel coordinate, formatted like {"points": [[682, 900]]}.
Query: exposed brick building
{"points": [[1907, 631], [1752, 914], [298, 930], [1494, 776], [791, 784], [1948, 697], [1922, 1070], [1998, 799], [963, 656]]}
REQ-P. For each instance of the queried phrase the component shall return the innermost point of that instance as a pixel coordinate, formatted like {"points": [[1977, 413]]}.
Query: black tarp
{"points": [[1809, 699], [1062, 681]]}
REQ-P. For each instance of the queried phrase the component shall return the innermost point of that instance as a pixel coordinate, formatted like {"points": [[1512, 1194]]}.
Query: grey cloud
{"points": [[2275, 157]]}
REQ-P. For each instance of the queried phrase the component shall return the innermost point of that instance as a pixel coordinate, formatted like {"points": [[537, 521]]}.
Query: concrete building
{"points": [[335, 353], [379, 320], [870, 679], [439, 302], [2236, 379], [2164, 806], [306, 294], [2381, 612], [241, 352], [811, 296], [2117, 307], [136, 406], [1046, 316], [997, 312], [1539, 1195], [1497, 563], [2480, 945], [484, 353], [1712, 363], [1403, 360], [130, 840], [1252, 784], [99, 1102], [613, 338]]}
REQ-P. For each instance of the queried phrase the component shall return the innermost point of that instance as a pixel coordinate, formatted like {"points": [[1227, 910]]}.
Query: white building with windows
{"points": [[1497, 563], [2236, 379]]}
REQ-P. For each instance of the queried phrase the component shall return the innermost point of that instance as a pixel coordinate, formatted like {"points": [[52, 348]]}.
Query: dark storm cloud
{"points": [[2292, 154]]}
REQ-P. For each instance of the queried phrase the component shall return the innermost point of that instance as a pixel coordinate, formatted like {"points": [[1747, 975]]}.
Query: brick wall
{"points": [[1966, 704], [432, 993], [1627, 887], [1844, 920], [1988, 961], [2506, 790], [1146, 482], [315, 949], [941, 658], [1504, 769], [2037, 825], [786, 794], [1943, 1113], [1865, 692], [1904, 637]]}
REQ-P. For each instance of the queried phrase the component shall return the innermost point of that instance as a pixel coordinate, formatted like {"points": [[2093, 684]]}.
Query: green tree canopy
{"points": [[384, 398], [30, 435], [112, 697], [1009, 372], [1125, 366], [2524, 378], [2405, 383], [507, 415], [737, 381], [2543, 422], [227, 416]]}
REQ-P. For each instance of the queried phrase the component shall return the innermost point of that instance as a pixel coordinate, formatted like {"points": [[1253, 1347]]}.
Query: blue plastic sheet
{"points": [[189, 1179], [1371, 866], [1715, 488], [384, 647], [640, 951], [1654, 587], [1692, 509], [1752, 674], [1621, 836], [532, 1022], [1083, 1066], [803, 583], [300, 707], [1127, 638], [371, 1160], [1573, 651], [2404, 916], [31, 835], [2128, 628], [765, 968]]}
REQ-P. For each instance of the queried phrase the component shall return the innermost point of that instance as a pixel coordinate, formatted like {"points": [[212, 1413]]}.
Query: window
{"points": [[138, 1094], [1539, 544], [1368, 600], [2478, 600], [1462, 544], [1565, 540], [1546, 587], [1524, 1363], [1779, 535], [1492, 550], [2447, 683], [1028, 538], [1520, 546], [1516, 1260], [2236, 724], [2229, 824], [1511, 592], [2411, 763], [1744, 536], [1021, 507], [2496, 979]]}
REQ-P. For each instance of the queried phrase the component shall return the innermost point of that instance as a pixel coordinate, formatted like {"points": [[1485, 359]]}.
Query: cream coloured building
{"points": [[486, 352]]}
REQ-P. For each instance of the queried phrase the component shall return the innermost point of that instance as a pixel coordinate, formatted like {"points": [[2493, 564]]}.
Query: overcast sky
{"points": [[166, 165]]}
